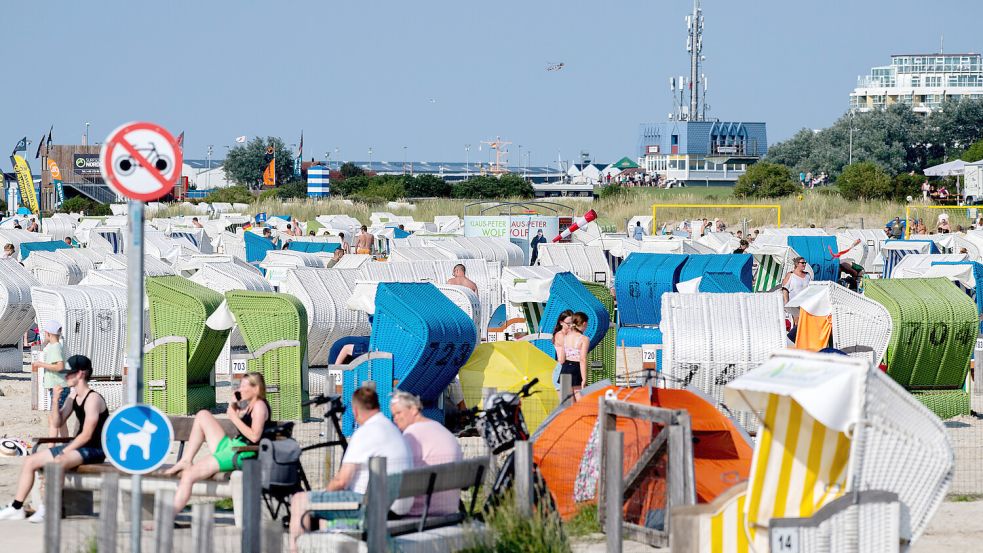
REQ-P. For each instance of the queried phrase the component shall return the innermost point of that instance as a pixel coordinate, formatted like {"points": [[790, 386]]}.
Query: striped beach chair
{"points": [[772, 261], [845, 461], [894, 251]]}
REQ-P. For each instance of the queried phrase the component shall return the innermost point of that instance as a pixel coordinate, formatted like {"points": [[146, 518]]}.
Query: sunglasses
{"points": [[801, 263]]}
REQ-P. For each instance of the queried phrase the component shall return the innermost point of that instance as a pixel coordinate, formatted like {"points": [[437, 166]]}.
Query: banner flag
{"points": [[269, 175], [56, 180], [25, 182], [21, 146]]}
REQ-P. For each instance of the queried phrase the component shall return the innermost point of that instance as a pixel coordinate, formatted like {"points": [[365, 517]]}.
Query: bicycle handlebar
{"points": [[524, 391]]}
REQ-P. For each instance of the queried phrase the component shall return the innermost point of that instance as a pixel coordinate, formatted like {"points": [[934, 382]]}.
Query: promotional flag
{"points": [[241, 139], [48, 141], [56, 180], [21, 146], [300, 155], [180, 141], [25, 182], [40, 145], [269, 175]]}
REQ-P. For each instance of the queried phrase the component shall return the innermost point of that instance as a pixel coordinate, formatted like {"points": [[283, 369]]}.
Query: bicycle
{"points": [[277, 495], [501, 424]]}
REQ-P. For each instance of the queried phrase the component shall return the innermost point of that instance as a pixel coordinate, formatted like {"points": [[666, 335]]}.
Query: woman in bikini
{"points": [[250, 413], [573, 355]]}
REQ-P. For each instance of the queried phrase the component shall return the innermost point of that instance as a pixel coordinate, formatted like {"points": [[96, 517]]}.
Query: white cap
{"points": [[52, 326]]}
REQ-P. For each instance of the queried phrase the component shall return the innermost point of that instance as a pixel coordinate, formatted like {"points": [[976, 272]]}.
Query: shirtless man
{"points": [[460, 279], [364, 241]]}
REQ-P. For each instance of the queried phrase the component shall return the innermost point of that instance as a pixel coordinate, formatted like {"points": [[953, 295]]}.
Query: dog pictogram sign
{"points": [[137, 438], [141, 161]]}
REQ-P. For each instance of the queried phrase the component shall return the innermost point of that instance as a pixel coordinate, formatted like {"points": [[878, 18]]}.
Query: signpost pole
{"points": [[134, 341]]}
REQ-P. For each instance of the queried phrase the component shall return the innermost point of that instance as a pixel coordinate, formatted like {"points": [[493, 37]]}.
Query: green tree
{"points": [[974, 152], [292, 190], [766, 180], [349, 170], [231, 195], [381, 189], [82, 204], [864, 181], [244, 165], [427, 186], [906, 184], [489, 187]]}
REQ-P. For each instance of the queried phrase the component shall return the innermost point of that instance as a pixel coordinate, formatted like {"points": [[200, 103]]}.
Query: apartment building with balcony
{"points": [[922, 81]]}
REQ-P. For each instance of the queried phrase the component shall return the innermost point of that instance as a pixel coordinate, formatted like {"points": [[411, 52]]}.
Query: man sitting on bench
{"points": [[85, 449], [376, 436]]}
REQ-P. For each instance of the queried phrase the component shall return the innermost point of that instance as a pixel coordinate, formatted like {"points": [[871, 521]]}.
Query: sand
{"points": [[958, 525]]}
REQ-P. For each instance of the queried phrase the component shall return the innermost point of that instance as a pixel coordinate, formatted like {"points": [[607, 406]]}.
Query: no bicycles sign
{"points": [[141, 161]]}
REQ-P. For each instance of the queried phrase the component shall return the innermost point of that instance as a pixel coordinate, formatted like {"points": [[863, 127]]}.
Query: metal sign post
{"points": [[134, 346], [141, 161]]}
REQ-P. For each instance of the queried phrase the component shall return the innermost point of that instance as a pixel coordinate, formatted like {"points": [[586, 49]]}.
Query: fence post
{"points": [[566, 389], [251, 506], [164, 521], [329, 435], [679, 473], [272, 536], [523, 478], [377, 506], [614, 484], [52, 507], [607, 423], [108, 506], [202, 527]]}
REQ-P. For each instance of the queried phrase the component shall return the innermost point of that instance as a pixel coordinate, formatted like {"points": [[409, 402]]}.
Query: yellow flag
{"points": [[25, 182], [269, 175]]}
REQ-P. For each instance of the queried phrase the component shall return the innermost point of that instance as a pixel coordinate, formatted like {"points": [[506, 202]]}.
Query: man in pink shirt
{"points": [[431, 444]]}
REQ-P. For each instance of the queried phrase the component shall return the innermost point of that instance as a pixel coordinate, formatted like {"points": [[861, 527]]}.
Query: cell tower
{"points": [[696, 111]]}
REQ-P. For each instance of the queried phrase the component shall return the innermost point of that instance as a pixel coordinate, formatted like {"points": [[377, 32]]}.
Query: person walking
{"points": [[364, 242], [534, 245], [638, 232]]}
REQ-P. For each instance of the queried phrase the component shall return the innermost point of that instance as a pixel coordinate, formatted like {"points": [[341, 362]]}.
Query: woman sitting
{"points": [[573, 355], [249, 412]]}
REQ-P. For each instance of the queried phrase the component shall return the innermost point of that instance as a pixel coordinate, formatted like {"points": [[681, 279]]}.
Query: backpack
{"points": [[279, 462]]}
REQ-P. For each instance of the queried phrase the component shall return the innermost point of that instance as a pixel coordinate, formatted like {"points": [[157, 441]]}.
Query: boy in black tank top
{"points": [[86, 448]]}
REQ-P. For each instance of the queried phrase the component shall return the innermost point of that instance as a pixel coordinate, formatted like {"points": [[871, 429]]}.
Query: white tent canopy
{"points": [[948, 169]]}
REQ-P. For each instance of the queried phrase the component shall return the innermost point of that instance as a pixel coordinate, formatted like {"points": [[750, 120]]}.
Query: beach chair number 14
{"points": [[785, 540]]}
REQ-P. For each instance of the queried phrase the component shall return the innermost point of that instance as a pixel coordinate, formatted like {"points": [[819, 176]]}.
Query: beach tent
{"points": [[566, 451], [507, 366], [949, 169]]}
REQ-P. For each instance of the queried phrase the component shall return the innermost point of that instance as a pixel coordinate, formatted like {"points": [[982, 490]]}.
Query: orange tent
{"points": [[721, 454]]}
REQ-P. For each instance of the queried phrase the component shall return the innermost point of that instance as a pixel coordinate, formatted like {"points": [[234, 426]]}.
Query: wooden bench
{"points": [[82, 481], [436, 533]]}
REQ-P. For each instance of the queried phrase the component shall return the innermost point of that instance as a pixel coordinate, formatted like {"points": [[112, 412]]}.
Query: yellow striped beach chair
{"points": [[845, 460]]}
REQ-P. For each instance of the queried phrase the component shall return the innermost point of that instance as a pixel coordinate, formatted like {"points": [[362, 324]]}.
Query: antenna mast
{"points": [[694, 45]]}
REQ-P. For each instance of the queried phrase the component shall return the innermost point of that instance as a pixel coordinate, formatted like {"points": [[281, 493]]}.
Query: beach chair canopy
{"points": [[641, 281], [818, 251]]}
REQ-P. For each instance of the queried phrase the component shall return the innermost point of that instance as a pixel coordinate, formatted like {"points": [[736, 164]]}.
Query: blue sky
{"points": [[355, 74]]}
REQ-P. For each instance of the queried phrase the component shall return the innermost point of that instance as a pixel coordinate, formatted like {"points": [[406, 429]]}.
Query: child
{"points": [[53, 362]]}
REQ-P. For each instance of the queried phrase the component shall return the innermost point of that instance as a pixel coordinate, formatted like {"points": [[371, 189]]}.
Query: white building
{"points": [[923, 81], [204, 175], [589, 173]]}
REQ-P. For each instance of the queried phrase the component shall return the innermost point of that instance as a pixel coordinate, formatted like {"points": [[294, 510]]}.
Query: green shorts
{"points": [[225, 452]]}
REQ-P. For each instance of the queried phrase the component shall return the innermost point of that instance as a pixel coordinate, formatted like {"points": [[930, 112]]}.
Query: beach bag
{"points": [[279, 462]]}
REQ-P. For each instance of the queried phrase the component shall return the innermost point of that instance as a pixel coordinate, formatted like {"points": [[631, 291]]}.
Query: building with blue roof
{"points": [[701, 152]]}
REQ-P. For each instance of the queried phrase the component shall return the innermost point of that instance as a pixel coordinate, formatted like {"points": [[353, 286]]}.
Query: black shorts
{"points": [[573, 369], [90, 455]]}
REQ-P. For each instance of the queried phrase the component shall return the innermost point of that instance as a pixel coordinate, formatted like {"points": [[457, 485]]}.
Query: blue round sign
{"points": [[137, 438]]}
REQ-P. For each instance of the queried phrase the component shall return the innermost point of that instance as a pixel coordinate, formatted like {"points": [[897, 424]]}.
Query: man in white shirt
{"points": [[376, 436]]}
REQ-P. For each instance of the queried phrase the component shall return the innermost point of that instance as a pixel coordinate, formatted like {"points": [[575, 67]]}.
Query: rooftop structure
{"points": [[923, 81]]}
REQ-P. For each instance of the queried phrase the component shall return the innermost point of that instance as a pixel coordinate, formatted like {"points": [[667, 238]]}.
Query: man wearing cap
{"points": [[53, 362], [86, 448]]}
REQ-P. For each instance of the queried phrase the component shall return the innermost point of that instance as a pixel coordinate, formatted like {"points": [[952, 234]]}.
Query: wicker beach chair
{"points": [[722, 283], [867, 253], [151, 265], [818, 252], [711, 339], [567, 292], [180, 358], [772, 263], [845, 461], [325, 293], [27, 248], [274, 327], [640, 283], [93, 321], [915, 265], [54, 268], [893, 251], [16, 312], [933, 336], [587, 262]]}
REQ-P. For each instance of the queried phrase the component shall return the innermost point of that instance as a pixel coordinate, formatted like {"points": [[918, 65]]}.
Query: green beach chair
{"points": [[935, 329], [178, 363], [274, 327], [602, 362]]}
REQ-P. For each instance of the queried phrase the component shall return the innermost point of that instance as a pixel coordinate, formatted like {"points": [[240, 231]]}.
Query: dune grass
{"points": [[824, 208]]}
